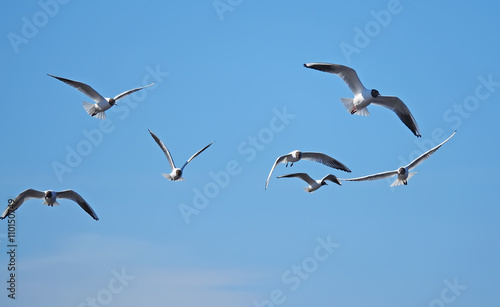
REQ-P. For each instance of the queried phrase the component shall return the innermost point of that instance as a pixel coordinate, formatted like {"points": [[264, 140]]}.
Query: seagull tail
{"points": [[397, 182], [401, 182], [349, 105], [167, 176], [89, 107]]}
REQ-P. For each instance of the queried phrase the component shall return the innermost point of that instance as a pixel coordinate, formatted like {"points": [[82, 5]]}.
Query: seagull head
{"points": [[401, 171], [178, 173], [48, 194], [297, 154], [375, 93], [111, 102]]}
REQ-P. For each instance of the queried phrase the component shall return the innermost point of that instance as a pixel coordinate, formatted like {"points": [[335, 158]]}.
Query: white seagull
{"points": [[50, 199], [176, 174], [403, 172], [313, 184], [101, 104], [363, 96], [297, 155]]}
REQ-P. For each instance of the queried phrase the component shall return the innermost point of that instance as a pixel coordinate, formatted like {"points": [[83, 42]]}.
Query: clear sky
{"points": [[231, 71]]}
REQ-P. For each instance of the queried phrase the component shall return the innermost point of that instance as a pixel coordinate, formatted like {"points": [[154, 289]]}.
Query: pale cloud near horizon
{"points": [[88, 265]]}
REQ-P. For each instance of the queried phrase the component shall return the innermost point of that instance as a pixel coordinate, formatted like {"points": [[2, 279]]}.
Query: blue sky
{"points": [[232, 72]]}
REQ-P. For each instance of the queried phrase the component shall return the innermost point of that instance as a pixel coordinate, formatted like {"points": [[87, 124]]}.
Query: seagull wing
{"points": [[347, 74], [302, 176], [196, 154], [332, 178], [164, 148], [427, 154], [397, 105], [20, 199], [324, 159], [374, 176], [279, 160], [120, 96], [70, 194], [82, 87]]}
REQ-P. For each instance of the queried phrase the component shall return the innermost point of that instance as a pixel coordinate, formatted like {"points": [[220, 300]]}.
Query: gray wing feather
{"points": [[302, 176], [347, 74], [332, 178], [324, 159], [70, 194], [397, 105], [120, 96], [164, 148], [82, 87], [20, 199], [196, 154], [428, 153], [373, 177], [279, 160]]}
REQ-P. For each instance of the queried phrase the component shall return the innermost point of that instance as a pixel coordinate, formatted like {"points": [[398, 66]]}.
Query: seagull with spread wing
{"points": [[403, 172], [297, 155], [50, 199], [313, 184], [364, 97], [176, 174], [101, 104]]}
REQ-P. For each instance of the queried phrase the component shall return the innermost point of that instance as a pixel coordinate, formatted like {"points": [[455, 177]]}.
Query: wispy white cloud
{"points": [[117, 271]]}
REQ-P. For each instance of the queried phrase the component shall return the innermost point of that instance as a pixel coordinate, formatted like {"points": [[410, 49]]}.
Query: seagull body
{"points": [[313, 184], [364, 97], [176, 174], [297, 155], [101, 104], [403, 172], [50, 199]]}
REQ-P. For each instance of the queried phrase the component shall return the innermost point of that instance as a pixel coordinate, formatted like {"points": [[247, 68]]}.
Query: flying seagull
{"points": [[297, 155], [403, 172], [101, 104], [363, 96], [176, 174], [313, 184], [50, 199]]}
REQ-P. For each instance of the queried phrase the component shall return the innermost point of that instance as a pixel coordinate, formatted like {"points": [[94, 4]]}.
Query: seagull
{"points": [[313, 184], [403, 172], [297, 155], [101, 104], [363, 96], [176, 174], [50, 199]]}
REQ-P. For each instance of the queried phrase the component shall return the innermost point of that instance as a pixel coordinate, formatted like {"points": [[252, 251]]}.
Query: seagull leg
{"points": [[291, 164]]}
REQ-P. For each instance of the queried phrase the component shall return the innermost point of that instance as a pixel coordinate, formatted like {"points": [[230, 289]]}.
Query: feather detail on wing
{"points": [[70, 194], [397, 105], [195, 155], [373, 177], [164, 148], [82, 87], [428, 153], [279, 160], [120, 96], [325, 159], [302, 176], [347, 74], [20, 199]]}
